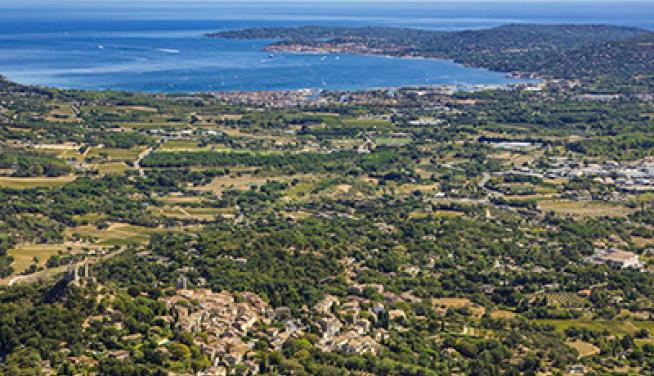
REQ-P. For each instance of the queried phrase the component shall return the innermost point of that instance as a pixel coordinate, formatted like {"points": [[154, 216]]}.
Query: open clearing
{"points": [[582, 209], [642, 242], [157, 125], [245, 181], [197, 213], [584, 348], [614, 327], [115, 234], [117, 168], [24, 254], [183, 145], [40, 182], [443, 304], [115, 154], [502, 314]]}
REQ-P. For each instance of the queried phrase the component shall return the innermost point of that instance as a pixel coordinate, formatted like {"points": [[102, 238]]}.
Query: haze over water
{"points": [[161, 47]]}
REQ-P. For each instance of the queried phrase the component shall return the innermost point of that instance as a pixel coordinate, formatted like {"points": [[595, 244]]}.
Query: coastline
{"points": [[310, 50]]}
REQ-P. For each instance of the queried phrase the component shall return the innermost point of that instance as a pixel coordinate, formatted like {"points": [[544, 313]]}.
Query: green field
{"points": [[182, 145], [112, 168], [40, 182], [115, 234], [614, 327], [367, 123]]}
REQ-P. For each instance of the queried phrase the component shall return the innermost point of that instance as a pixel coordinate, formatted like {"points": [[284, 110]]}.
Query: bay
{"points": [[160, 47]]}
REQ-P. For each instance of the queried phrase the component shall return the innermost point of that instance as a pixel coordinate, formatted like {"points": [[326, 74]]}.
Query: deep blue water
{"points": [[158, 46]]}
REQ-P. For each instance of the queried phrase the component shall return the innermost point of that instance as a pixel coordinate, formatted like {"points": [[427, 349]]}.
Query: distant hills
{"points": [[561, 51]]}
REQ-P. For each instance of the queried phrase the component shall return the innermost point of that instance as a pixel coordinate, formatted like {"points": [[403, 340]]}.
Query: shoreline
{"points": [[276, 48], [306, 91]]}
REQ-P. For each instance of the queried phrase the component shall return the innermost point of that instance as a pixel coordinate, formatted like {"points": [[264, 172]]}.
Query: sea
{"points": [[159, 46]]}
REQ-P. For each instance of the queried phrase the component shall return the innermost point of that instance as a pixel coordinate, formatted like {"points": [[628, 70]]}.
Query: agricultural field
{"points": [[114, 234], [569, 300], [442, 305], [192, 212], [111, 168], [36, 182], [115, 154], [152, 125], [584, 209], [24, 255], [182, 145], [392, 141], [243, 181], [613, 327], [62, 113], [367, 123], [584, 348]]}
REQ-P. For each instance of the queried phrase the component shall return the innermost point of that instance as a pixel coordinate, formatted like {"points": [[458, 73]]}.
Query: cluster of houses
{"points": [[634, 176], [272, 99], [426, 96], [230, 324], [225, 319], [349, 338], [629, 176]]}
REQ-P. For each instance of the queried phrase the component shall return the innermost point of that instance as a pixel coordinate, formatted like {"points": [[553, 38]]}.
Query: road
{"points": [[137, 162], [484, 180]]}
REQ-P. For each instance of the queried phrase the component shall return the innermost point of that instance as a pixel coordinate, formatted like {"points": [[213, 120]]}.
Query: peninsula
{"points": [[560, 51]]}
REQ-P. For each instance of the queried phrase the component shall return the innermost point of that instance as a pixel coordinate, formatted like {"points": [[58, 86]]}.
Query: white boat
{"points": [[169, 50]]}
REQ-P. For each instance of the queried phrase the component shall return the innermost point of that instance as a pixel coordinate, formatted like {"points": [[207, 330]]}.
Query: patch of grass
{"points": [[115, 154], [153, 125], [502, 314], [24, 255], [409, 188], [197, 213], [174, 199], [443, 304], [584, 348], [70, 154], [182, 145], [115, 234], [614, 327], [40, 182], [581, 209], [642, 242], [391, 141], [242, 182], [137, 108], [116, 168], [89, 217], [367, 123]]}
